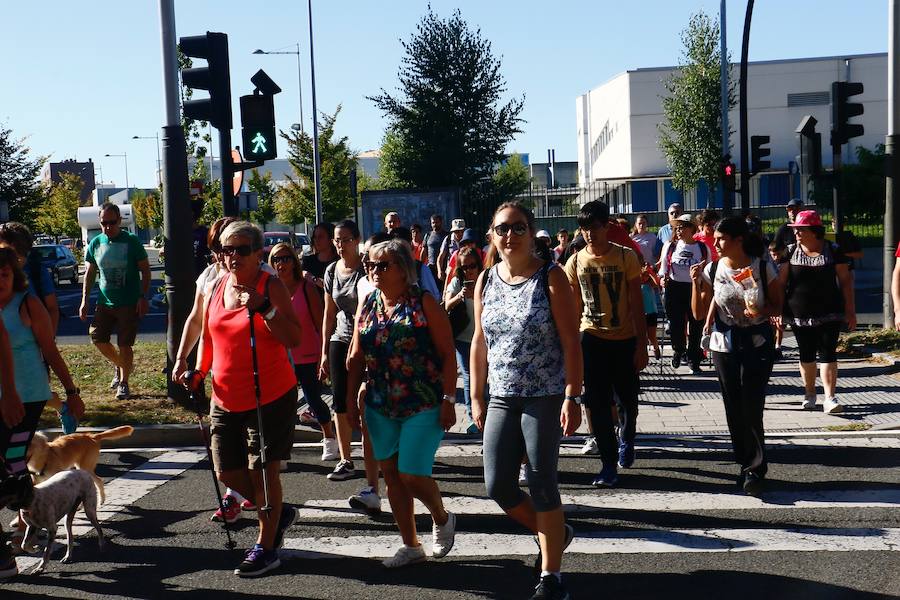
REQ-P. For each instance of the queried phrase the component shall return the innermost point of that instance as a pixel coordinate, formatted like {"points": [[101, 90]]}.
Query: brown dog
{"points": [[81, 450]]}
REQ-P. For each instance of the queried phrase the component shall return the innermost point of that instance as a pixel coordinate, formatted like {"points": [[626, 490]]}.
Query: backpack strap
{"points": [[305, 284]]}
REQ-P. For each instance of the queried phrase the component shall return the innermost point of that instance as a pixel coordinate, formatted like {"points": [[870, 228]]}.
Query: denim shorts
{"points": [[413, 440]]}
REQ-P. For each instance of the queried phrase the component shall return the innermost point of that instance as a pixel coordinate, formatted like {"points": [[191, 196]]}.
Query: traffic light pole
{"points": [[177, 221], [229, 206], [836, 175], [745, 154], [891, 147]]}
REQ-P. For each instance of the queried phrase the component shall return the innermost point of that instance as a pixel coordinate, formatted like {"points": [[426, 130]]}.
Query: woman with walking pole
{"points": [[249, 321]]}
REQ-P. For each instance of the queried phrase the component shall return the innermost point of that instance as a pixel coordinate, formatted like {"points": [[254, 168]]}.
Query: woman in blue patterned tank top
{"points": [[526, 346], [403, 338]]}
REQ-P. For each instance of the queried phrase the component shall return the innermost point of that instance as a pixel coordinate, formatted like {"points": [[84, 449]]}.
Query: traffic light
{"points": [[728, 174], [842, 111], [215, 78], [758, 151], [258, 127], [810, 147]]}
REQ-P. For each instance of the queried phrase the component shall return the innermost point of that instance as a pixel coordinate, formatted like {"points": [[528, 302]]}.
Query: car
{"points": [[60, 260], [270, 238], [67, 242]]}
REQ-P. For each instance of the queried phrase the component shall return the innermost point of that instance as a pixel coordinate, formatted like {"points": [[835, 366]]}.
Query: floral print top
{"points": [[525, 356], [401, 359]]}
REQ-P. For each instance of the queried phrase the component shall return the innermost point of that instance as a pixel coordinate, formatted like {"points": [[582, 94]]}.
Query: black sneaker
{"points": [[570, 535], [288, 517], [257, 561], [8, 567], [676, 360], [551, 588], [344, 470], [753, 484]]}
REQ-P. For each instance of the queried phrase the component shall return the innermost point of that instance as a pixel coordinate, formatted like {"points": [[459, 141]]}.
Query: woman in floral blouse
{"points": [[403, 339]]}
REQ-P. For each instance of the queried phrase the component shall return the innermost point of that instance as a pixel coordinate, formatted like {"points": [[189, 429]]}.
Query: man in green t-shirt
{"points": [[121, 262], [606, 280]]}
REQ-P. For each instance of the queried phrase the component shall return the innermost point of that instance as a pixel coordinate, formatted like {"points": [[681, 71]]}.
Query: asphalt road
{"points": [[827, 527]]}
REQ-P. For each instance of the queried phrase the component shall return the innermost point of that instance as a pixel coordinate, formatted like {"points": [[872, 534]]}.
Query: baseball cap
{"points": [[795, 202], [468, 236], [458, 225], [543, 233], [806, 218], [683, 219]]}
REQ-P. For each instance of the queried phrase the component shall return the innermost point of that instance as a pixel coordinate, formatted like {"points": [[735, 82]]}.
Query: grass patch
{"points": [[149, 403], [886, 340], [849, 427]]}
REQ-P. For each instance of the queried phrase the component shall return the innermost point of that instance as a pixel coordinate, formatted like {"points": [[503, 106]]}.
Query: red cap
{"points": [[806, 218]]}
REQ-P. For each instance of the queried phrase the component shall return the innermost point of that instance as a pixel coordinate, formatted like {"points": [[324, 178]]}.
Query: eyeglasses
{"points": [[518, 229], [470, 267], [242, 250], [378, 266], [342, 241], [284, 258], [108, 223]]}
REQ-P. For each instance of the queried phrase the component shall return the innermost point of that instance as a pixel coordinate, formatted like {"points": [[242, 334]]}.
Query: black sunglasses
{"points": [[242, 250], [108, 223], [282, 259], [378, 266], [518, 229]]}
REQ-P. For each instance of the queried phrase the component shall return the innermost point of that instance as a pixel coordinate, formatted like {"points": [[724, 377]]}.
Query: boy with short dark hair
{"points": [[606, 279]]}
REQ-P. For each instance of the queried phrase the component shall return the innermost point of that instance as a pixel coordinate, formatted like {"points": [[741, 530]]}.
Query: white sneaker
{"points": [[443, 536], [808, 402], [590, 446], [406, 555], [831, 406], [366, 500], [523, 475], [330, 449]]}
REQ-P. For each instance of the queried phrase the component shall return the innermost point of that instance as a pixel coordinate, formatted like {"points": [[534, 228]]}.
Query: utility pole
{"points": [[745, 154], [727, 195], [317, 165], [177, 221], [891, 141]]}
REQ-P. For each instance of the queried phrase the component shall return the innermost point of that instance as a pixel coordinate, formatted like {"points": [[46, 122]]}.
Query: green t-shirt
{"points": [[117, 266]]}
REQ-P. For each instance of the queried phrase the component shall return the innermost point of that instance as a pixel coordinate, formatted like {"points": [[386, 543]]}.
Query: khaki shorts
{"points": [[235, 435], [123, 319]]}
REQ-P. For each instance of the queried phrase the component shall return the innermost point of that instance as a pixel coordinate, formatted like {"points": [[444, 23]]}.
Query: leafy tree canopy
{"points": [[58, 216], [19, 175]]}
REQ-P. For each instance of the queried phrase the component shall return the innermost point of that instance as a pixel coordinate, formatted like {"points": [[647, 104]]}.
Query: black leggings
{"points": [[14, 441], [678, 311], [337, 364], [308, 377]]}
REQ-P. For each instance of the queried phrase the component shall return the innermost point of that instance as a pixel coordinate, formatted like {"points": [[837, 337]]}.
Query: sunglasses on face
{"points": [[242, 250], [518, 229], [470, 267], [285, 258], [379, 266], [108, 223]]}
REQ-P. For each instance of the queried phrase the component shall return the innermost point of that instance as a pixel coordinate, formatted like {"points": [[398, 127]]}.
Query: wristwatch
{"points": [[449, 398], [73, 392], [579, 400]]}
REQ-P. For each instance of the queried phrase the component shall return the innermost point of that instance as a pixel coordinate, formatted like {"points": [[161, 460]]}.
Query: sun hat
{"points": [[458, 225], [806, 218], [684, 219]]}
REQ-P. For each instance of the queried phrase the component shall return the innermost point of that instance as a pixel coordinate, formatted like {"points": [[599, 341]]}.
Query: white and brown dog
{"points": [[43, 505]]}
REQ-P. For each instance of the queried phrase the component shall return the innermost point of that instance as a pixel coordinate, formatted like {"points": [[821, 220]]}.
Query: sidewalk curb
{"points": [[169, 436]]}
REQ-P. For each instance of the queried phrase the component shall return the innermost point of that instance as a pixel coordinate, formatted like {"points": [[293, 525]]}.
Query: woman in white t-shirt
{"points": [[736, 296], [646, 241], [678, 256]]}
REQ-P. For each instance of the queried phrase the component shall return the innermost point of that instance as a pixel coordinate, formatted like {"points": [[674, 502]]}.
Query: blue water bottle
{"points": [[68, 420]]}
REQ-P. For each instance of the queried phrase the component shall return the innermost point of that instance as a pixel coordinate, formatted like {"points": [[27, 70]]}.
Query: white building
{"points": [[617, 126]]}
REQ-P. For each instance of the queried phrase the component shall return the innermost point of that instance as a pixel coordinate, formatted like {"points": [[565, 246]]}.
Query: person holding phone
{"points": [[462, 289]]}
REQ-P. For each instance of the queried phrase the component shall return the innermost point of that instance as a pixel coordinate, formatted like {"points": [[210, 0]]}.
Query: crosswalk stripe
{"points": [[643, 501], [617, 542]]}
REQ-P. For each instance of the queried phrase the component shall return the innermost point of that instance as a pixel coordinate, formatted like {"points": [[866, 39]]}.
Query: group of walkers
{"points": [[536, 331]]}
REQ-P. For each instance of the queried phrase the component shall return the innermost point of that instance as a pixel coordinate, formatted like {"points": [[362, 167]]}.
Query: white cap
{"points": [[543, 233]]}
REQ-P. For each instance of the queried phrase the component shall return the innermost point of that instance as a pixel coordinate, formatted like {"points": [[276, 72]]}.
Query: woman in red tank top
{"points": [[245, 293]]}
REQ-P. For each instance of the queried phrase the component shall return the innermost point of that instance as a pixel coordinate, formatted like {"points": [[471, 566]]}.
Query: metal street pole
{"points": [[891, 146], [317, 166], [177, 220], [727, 197], [745, 153], [127, 185]]}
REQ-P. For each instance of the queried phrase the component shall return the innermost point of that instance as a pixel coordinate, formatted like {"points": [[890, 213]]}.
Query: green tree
{"points": [[690, 135], [147, 209], [337, 161], [447, 126], [58, 216], [511, 179], [265, 197], [19, 174]]}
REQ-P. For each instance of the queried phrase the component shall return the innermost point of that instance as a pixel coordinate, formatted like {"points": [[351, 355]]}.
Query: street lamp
{"points": [[127, 186], [158, 161], [299, 75], [317, 165]]}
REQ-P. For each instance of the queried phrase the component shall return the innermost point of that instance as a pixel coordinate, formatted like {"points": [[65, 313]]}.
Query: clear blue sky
{"points": [[81, 78]]}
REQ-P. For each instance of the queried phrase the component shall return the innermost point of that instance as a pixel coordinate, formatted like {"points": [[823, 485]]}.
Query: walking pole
{"points": [[194, 383], [262, 438]]}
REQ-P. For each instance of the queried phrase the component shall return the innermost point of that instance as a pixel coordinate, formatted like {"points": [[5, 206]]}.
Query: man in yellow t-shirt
{"points": [[606, 279]]}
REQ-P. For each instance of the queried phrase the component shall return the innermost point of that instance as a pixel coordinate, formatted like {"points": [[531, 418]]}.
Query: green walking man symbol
{"points": [[259, 144]]}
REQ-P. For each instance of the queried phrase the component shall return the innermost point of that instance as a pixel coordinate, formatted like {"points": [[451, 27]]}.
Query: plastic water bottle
{"points": [[68, 420]]}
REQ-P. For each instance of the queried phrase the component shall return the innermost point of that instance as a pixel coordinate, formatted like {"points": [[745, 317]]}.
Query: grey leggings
{"points": [[517, 427]]}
